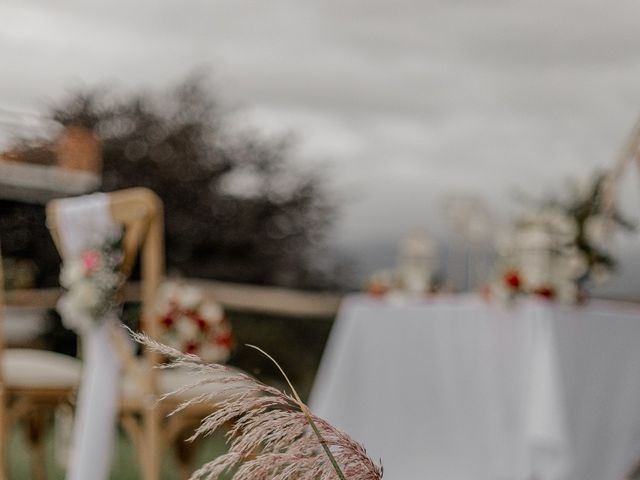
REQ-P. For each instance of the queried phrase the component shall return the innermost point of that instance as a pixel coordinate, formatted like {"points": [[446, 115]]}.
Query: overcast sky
{"points": [[405, 100]]}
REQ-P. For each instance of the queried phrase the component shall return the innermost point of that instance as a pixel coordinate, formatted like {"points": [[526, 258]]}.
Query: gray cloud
{"points": [[408, 99]]}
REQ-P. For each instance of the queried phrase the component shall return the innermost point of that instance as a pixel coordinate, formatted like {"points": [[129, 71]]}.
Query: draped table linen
{"points": [[462, 389]]}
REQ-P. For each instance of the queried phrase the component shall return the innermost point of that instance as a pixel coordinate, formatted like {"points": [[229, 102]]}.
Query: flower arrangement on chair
{"points": [[92, 281], [193, 324]]}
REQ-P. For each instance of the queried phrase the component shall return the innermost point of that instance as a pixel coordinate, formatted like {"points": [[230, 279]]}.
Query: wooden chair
{"points": [[145, 421], [139, 211], [33, 383]]}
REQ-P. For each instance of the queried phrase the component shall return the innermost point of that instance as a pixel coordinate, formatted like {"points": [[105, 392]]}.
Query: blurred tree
{"points": [[236, 208]]}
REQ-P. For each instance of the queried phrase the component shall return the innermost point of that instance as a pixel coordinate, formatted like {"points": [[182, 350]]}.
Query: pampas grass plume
{"points": [[273, 435]]}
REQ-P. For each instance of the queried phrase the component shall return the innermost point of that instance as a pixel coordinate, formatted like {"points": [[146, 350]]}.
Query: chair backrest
{"points": [[3, 410], [2, 307], [140, 212]]}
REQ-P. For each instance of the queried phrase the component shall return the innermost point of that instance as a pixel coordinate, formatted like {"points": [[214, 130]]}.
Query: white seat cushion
{"points": [[28, 368]]}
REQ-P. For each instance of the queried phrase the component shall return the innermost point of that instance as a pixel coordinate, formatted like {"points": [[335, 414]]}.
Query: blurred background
{"points": [[297, 144], [395, 106]]}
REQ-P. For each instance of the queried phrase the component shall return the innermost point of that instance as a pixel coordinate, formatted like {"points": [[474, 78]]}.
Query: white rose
{"points": [[532, 237], [572, 264], [86, 293], [212, 312], [72, 271], [534, 267], [189, 297], [167, 293], [73, 313], [187, 329]]}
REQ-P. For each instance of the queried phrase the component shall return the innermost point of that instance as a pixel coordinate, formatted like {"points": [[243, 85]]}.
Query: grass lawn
{"points": [[296, 344], [125, 465]]}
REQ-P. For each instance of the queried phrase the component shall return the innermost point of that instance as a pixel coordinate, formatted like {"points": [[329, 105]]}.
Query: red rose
{"points": [[546, 292], [225, 340], [202, 323], [512, 279], [167, 321]]}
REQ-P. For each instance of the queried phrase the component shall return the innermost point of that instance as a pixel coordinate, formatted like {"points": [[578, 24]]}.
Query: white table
{"points": [[459, 389]]}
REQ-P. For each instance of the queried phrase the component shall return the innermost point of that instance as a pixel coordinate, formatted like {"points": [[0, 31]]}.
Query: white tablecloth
{"points": [[459, 389]]}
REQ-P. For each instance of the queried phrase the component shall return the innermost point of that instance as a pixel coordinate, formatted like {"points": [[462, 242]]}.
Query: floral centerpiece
{"points": [[193, 324], [92, 281], [559, 250]]}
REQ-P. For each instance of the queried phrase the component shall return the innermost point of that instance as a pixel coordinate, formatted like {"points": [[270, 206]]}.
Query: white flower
{"points": [[167, 294], [534, 276], [532, 237], [212, 312], [187, 329], [534, 262], [189, 297], [86, 294], [572, 264], [72, 272], [74, 314]]}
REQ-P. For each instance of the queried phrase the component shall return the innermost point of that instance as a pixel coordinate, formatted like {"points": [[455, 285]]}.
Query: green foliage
{"points": [[582, 207], [125, 462]]}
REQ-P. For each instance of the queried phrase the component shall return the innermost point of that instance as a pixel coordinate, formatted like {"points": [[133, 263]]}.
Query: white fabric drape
{"points": [[84, 222], [459, 389], [546, 456]]}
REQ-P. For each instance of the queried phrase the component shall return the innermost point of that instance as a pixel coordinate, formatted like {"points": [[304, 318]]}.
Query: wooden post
{"points": [[152, 271], [4, 434], [629, 154]]}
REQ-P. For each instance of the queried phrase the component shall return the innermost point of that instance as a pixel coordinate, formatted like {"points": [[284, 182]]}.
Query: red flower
{"points": [[377, 289], [512, 279], [224, 340], [191, 347], [546, 292], [202, 323], [167, 321]]}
